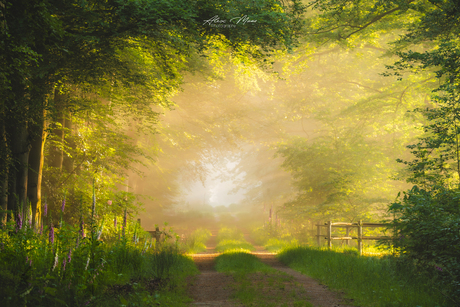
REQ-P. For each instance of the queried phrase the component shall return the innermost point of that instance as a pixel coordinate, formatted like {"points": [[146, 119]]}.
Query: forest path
{"points": [[211, 288]]}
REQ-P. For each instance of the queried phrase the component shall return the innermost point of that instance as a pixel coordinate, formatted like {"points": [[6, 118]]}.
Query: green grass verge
{"points": [[370, 281]]}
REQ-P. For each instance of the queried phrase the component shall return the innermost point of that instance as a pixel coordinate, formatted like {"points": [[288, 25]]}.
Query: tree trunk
{"points": [[36, 160], [19, 169], [4, 165]]}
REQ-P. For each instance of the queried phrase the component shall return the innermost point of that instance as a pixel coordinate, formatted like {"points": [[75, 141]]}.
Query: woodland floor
{"points": [[211, 288]]}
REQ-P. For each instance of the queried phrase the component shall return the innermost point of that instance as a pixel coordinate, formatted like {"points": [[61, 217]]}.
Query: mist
{"points": [[317, 140]]}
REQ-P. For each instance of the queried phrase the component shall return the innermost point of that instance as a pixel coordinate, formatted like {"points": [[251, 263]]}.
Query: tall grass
{"points": [[370, 281], [196, 242], [232, 239], [72, 265]]}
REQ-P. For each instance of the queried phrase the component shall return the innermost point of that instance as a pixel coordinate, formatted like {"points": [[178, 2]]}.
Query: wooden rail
{"points": [[329, 225]]}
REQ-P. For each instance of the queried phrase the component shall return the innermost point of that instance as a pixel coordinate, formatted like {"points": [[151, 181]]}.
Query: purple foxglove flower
{"points": [[18, 222], [63, 205], [63, 264], [51, 235], [69, 256]]}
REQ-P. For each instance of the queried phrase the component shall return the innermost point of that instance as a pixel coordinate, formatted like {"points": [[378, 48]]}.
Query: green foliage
{"points": [[260, 236], [226, 233], [370, 281], [228, 245], [427, 236], [275, 245], [195, 243], [59, 266], [335, 176]]}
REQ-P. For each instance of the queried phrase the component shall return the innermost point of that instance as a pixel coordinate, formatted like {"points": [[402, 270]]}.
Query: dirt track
{"points": [[211, 288]]}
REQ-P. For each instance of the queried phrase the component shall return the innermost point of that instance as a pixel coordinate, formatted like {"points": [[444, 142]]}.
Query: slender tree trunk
{"points": [[4, 165], [36, 160], [18, 171]]}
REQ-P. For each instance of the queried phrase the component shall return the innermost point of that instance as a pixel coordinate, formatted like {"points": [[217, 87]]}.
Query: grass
{"points": [[370, 281], [257, 284], [232, 239], [229, 245], [275, 245], [226, 233], [171, 291], [59, 266], [195, 243]]}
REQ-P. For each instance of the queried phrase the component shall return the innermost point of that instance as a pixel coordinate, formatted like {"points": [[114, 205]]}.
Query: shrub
{"points": [[427, 228]]}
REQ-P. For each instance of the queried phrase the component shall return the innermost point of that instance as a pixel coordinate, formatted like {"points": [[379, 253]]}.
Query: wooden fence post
{"points": [[318, 233], [360, 237], [329, 234], [347, 235]]}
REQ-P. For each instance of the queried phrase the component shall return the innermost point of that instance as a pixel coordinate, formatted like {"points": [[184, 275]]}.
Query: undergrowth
{"points": [[196, 242], [59, 264]]}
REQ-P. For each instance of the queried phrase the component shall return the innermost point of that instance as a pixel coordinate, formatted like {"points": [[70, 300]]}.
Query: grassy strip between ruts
{"points": [[231, 239], [257, 284], [370, 281], [229, 245]]}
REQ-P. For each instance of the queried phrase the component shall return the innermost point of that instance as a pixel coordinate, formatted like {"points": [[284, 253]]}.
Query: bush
{"points": [[427, 228]]}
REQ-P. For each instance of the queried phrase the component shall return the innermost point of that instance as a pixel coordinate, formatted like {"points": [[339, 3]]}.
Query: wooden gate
{"points": [[328, 236]]}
